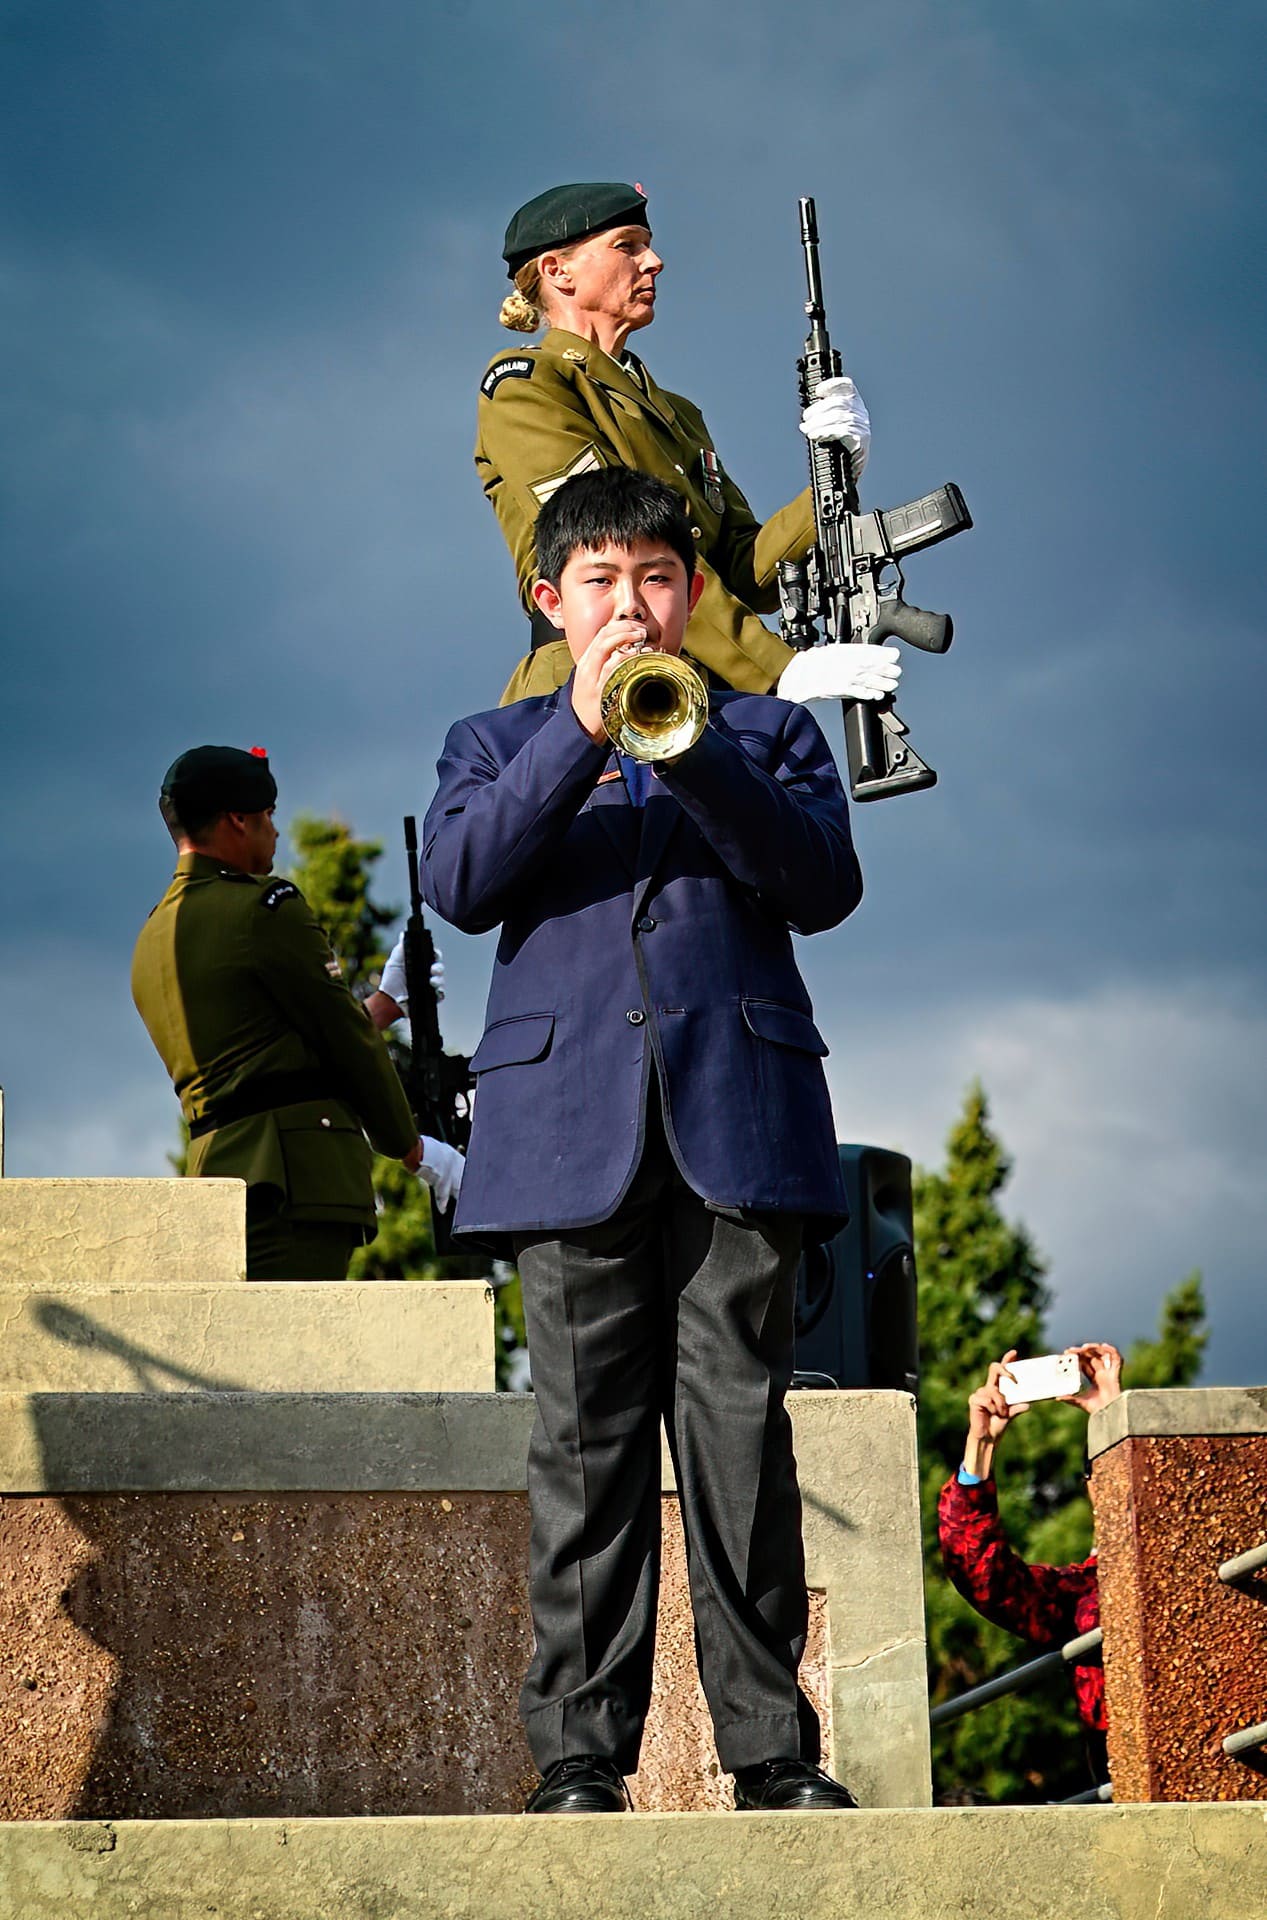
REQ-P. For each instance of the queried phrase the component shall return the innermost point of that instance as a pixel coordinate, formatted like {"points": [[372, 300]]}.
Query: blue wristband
{"points": [[967, 1479]]}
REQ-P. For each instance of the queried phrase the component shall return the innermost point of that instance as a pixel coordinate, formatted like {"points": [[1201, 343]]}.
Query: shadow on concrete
{"points": [[255, 1651], [148, 1369], [202, 1653], [74, 1567], [837, 1517]]}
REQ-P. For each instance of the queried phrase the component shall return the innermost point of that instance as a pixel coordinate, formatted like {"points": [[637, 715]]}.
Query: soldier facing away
{"points": [[280, 1073]]}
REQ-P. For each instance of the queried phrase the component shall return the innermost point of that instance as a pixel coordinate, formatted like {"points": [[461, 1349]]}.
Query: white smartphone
{"points": [[1050, 1376]]}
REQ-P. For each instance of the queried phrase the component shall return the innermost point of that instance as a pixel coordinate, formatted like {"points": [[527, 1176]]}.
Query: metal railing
{"points": [[1013, 1681], [1246, 1740], [1016, 1678], [1242, 1567]]}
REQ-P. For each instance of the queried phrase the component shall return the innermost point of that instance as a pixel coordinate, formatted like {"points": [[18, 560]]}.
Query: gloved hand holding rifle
{"points": [[847, 593], [438, 1083]]}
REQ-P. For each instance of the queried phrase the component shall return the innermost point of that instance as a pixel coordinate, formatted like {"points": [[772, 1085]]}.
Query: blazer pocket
{"points": [[786, 1026], [514, 1043]]}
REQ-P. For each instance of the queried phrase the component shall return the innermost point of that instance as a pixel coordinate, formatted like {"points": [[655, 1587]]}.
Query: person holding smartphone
{"points": [[1044, 1605]]}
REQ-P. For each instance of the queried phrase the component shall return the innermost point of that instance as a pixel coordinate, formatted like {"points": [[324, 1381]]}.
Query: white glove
{"points": [[840, 672], [441, 1168], [392, 980], [837, 413]]}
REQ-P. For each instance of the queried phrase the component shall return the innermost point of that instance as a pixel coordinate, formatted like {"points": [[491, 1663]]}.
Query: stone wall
{"points": [[243, 1602], [263, 1547]]}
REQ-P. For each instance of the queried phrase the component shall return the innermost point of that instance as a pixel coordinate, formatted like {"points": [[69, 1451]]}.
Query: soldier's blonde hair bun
{"points": [[521, 310]]}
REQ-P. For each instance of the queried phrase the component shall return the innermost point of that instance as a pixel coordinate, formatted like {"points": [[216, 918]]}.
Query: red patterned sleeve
{"points": [[1038, 1603]]}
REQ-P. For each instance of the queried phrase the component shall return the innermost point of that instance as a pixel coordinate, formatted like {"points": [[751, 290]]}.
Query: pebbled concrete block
{"points": [[201, 1655], [1185, 1657]]}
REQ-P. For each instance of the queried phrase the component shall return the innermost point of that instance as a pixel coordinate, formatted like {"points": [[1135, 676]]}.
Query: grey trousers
{"points": [[667, 1310]]}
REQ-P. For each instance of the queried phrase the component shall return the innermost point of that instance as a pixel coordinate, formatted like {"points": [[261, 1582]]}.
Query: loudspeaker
{"points": [[856, 1296]]}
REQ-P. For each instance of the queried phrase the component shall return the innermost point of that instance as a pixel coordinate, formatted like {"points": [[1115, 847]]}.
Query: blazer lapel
{"points": [[659, 818], [609, 804], [639, 835]]}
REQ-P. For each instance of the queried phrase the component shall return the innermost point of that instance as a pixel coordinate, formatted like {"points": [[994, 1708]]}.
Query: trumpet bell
{"points": [[654, 705]]}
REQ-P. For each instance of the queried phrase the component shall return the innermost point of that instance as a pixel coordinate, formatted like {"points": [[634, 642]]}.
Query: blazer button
{"points": [[635, 1016], [646, 924], [324, 1121]]}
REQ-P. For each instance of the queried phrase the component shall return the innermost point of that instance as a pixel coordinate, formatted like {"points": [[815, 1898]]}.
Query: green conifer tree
{"points": [[1174, 1358], [981, 1292], [333, 871]]}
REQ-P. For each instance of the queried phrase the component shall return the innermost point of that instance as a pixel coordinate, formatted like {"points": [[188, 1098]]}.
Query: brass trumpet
{"points": [[654, 705]]}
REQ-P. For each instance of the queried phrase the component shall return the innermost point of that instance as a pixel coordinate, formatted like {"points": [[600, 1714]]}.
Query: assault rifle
{"points": [[438, 1083], [849, 586]]}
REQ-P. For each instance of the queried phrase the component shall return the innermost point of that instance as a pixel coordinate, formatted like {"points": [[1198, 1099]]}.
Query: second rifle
{"points": [[438, 1083]]}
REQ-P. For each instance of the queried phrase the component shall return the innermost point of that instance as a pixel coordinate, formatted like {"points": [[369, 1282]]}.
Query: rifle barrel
{"points": [[815, 311], [411, 862]]}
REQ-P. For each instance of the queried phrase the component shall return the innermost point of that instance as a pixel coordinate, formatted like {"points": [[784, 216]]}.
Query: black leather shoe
{"points": [[789, 1786], [583, 1784]]}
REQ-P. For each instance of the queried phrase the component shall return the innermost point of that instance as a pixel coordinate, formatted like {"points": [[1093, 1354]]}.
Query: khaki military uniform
{"points": [[562, 407], [280, 1072]]}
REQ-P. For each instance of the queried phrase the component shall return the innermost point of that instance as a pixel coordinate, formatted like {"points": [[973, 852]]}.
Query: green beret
{"points": [[565, 214], [210, 780]]}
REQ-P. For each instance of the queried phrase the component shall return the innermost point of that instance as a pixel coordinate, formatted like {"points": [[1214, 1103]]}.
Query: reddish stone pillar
{"points": [[1180, 1488]]}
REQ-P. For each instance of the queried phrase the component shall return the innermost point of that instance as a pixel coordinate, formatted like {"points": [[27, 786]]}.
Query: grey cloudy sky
{"points": [[249, 277]]}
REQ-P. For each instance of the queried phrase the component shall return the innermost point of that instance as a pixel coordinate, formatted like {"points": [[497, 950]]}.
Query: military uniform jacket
{"points": [[241, 995], [564, 407]]}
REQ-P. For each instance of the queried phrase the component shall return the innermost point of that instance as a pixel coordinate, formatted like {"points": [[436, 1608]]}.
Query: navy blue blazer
{"points": [[634, 937]]}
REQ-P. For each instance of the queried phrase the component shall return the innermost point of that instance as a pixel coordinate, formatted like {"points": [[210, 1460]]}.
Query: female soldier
{"points": [[582, 263]]}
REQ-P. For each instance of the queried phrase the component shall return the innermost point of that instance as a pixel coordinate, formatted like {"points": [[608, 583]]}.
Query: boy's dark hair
{"points": [[616, 506]]}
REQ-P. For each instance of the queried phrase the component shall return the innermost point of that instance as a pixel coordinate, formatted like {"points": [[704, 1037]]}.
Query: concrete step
{"points": [[398, 1336], [1193, 1862], [64, 1232]]}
